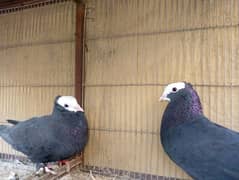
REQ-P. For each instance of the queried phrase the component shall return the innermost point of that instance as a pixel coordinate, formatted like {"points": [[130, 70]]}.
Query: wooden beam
{"points": [[61, 171], [79, 55], [17, 3], [80, 12]]}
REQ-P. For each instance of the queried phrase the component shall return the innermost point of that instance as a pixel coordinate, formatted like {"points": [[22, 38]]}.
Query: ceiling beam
{"points": [[5, 4]]}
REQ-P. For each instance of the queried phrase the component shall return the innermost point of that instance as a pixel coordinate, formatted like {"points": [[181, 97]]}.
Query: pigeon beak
{"points": [[78, 108], [164, 98]]}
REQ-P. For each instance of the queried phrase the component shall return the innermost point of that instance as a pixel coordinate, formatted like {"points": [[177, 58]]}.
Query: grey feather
{"points": [[205, 150], [11, 121], [48, 138]]}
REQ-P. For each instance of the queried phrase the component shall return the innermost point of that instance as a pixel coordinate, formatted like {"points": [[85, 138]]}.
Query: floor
{"points": [[10, 170]]}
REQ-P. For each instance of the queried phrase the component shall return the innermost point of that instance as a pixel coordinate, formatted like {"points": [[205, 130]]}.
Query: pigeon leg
{"points": [[42, 168], [49, 170], [63, 162]]}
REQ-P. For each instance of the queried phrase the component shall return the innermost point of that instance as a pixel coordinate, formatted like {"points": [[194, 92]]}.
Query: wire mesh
{"points": [[37, 52], [121, 174], [135, 48]]}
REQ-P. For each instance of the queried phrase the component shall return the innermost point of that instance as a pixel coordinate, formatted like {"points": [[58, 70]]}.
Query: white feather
{"points": [[169, 89], [69, 103]]}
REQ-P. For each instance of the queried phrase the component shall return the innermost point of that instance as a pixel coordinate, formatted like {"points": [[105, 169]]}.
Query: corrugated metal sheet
{"points": [[37, 61], [134, 48], [125, 123], [111, 18], [149, 59], [38, 65], [47, 24]]}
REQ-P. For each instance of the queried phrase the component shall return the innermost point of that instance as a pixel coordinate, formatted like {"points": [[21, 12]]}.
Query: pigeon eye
{"points": [[66, 105], [174, 89]]}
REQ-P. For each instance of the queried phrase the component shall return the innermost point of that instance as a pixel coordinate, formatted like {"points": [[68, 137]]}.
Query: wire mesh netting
{"points": [[133, 48], [37, 52]]}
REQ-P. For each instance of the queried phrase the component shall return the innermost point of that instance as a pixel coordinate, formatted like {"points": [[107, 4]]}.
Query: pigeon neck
{"points": [[194, 103], [187, 104], [184, 109], [58, 110]]}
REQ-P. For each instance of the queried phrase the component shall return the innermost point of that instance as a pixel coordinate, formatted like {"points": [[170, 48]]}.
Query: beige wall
{"points": [[37, 59], [134, 48]]}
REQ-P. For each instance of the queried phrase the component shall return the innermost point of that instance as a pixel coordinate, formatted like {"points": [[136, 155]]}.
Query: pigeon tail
{"points": [[11, 121]]}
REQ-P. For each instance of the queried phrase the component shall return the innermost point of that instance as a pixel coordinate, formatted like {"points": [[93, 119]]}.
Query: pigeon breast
{"points": [[205, 150]]}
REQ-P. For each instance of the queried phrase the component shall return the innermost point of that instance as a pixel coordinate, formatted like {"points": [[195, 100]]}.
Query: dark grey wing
{"points": [[14, 122], [204, 149], [35, 137], [48, 138]]}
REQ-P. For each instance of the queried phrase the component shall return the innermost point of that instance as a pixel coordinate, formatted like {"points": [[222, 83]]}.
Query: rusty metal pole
{"points": [[79, 54], [80, 12]]}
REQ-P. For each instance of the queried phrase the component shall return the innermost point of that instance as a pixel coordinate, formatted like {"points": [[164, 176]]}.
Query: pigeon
{"points": [[202, 148], [50, 138]]}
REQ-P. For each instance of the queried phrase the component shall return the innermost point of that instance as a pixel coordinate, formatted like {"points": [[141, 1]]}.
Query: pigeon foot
{"points": [[43, 168]]}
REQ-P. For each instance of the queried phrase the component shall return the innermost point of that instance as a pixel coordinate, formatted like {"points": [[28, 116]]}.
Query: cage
{"points": [[131, 50]]}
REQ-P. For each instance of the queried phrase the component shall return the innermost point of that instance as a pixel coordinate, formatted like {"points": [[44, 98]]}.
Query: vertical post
{"points": [[80, 12], [79, 55]]}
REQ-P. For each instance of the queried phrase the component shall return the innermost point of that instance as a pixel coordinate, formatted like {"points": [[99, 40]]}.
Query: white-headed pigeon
{"points": [[204, 149], [50, 138]]}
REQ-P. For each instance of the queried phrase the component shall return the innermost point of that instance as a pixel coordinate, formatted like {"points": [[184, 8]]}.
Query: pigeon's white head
{"points": [[171, 89], [69, 103]]}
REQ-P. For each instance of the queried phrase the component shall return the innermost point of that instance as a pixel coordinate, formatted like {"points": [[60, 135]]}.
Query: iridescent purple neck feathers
{"points": [[183, 107], [194, 101]]}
